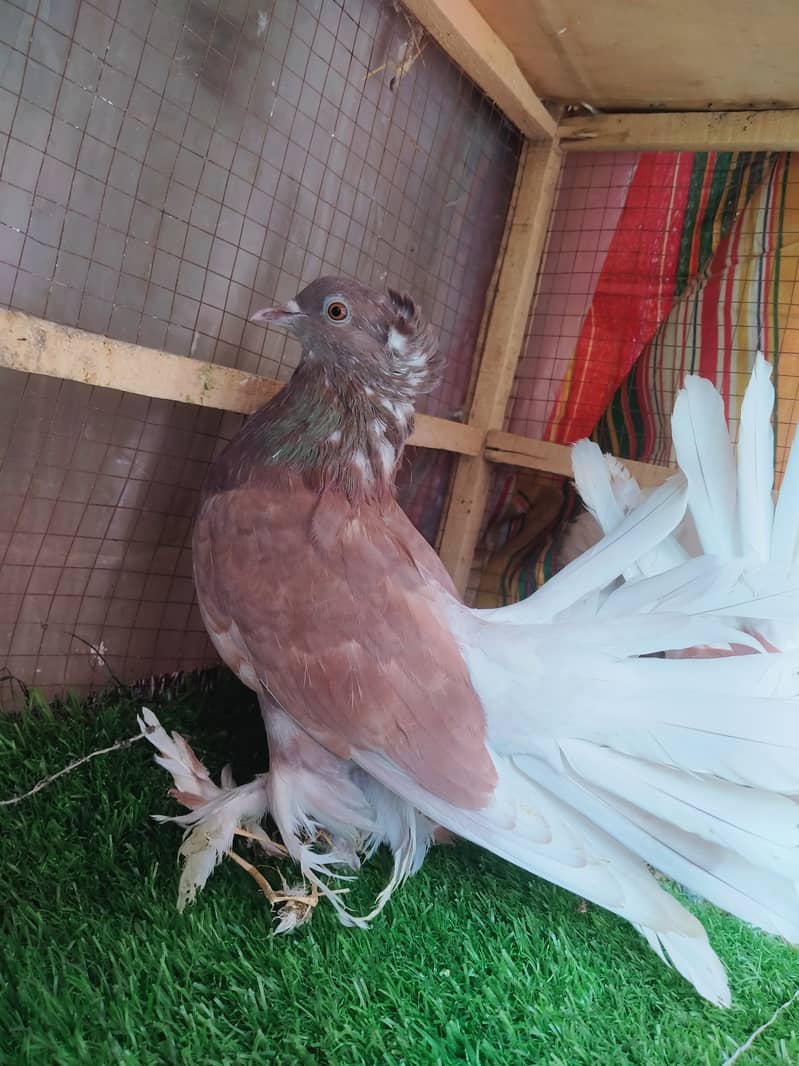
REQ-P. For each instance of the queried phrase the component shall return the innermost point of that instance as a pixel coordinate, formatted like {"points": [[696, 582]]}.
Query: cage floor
{"points": [[471, 962]]}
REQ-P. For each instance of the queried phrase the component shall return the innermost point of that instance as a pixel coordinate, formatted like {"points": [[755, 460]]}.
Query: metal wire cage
{"points": [[167, 168]]}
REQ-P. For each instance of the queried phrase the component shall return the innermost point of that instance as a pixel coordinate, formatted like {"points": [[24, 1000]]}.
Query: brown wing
{"points": [[325, 605]]}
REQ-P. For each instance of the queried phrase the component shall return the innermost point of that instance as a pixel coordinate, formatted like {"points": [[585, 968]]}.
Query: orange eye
{"points": [[337, 311]]}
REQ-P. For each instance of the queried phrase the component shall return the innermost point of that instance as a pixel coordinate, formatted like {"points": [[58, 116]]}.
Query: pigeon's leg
{"points": [[319, 802], [316, 796], [294, 908], [216, 813], [328, 811], [270, 846]]}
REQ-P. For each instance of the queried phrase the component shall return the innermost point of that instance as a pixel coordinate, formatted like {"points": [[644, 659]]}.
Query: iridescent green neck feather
{"points": [[330, 427], [342, 421]]}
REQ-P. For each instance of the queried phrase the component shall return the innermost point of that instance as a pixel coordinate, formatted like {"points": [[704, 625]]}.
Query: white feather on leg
{"points": [[308, 791], [215, 812]]}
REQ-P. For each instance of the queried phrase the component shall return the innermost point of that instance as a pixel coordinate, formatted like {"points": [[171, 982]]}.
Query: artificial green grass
{"points": [[472, 961]]}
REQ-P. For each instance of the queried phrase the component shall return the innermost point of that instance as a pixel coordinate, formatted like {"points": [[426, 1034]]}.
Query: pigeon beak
{"points": [[278, 316]]}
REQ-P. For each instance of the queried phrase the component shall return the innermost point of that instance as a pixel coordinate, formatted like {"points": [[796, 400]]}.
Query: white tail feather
{"points": [[754, 895], [785, 530], [593, 473], [761, 827], [756, 464], [705, 456], [689, 763], [610, 493], [637, 534]]}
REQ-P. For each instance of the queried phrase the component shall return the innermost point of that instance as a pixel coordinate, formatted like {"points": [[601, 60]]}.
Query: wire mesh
{"points": [[657, 265], [167, 168]]}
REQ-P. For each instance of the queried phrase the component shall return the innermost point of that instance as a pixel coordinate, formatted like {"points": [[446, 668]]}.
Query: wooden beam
{"points": [[35, 346], [691, 131], [514, 450], [504, 339], [468, 39]]}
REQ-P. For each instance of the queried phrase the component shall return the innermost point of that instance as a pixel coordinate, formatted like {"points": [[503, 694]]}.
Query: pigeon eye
{"points": [[337, 311]]}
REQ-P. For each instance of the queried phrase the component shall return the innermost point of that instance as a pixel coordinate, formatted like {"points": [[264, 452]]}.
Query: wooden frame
{"points": [[506, 320], [530, 454], [682, 131], [35, 346], [465, 35]]}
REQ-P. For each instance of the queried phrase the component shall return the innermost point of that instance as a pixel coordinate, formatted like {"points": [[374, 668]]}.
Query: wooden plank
{"points": [[35, 346], [504, 338], [520, 451], [684, 55], [32, 345], [741, 131], [465, 35]]}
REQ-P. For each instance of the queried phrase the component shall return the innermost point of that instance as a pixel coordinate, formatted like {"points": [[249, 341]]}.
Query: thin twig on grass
{"points": [[743, 1048], [118, 746]]}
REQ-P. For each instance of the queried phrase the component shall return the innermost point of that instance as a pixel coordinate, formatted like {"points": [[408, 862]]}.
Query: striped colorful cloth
{"points": [[699, 276], [725, 312]]}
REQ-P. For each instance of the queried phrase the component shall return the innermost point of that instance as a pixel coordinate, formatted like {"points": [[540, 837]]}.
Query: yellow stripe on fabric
{"points": [[788, 320]]}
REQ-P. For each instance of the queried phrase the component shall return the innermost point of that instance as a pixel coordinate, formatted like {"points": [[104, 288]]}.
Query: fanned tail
{"points": [[688, 764]]}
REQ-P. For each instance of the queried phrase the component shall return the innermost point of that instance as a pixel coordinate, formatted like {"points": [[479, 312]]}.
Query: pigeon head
{"points": [[378, 339], [344, 417]]}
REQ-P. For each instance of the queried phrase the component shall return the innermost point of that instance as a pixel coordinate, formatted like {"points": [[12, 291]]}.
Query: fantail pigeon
{"points": [[547, 731]]}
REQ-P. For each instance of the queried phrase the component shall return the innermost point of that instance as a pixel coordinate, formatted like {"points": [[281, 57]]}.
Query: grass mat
{"points": [[472, 962]]}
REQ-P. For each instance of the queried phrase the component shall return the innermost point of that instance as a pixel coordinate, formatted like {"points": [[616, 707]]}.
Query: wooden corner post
{"points": [[506, 323]]}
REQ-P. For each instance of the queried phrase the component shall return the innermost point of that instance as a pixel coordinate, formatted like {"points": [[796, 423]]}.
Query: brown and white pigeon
{"points": [[544, 731]]}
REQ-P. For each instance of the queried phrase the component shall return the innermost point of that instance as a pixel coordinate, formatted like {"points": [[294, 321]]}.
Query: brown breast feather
{"points": [[334, 609]]}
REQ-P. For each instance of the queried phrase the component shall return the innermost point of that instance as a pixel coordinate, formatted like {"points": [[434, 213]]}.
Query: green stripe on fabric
{"points": [[755, 176], [718, 184], [785, 161], [777, 252], [637, 408], [740, 169], [696, 184]]}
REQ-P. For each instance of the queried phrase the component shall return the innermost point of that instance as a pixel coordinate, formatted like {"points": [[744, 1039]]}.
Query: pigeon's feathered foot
{"points": [[294, 904], [211, 823], [321, 831], [258, 837], [217, 813]]}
